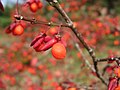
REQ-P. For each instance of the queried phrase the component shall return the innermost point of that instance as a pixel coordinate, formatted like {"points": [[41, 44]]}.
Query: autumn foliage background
{"points": [[21, 68]]}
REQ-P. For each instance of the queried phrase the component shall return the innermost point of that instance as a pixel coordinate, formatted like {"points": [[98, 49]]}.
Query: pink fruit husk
{"points": [[7, 30], [30, 1], [63, 42], [38, 43], [36, 39], [49, 44], [47, 38], [12, 26], [37, 1], [37, 49], [113, 83]]}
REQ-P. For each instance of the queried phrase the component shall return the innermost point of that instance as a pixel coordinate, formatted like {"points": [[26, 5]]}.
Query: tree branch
{"points": [[34, 21], [57, 6], [108, 59]]}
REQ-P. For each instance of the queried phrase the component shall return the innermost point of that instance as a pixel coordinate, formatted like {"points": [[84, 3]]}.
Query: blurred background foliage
{"points": [[73, 66]]}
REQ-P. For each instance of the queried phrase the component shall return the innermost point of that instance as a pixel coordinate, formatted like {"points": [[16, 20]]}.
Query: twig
{"points": [[108, 59], [34, 21], [83, 56]]}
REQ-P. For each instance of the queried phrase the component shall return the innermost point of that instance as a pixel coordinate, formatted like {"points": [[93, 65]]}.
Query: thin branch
{"points": [[83, 56], [108, 59], [34, 21]]}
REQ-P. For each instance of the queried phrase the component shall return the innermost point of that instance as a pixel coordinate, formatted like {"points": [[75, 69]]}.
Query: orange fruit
{"points": [[72, 88], [116, 42], [59, 51], [18, 30], [117, 88], [117, 72], [33, 7], [53, 31], [40, 5], [59, 88]]}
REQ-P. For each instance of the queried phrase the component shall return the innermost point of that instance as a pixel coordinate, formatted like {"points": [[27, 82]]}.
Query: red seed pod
{"points": [[13, 25], [37, 38], [37, 1], [30, 1], [113, 83], [7, 30], [49, 44], [47, 38], [63, 42], [10, 28], [38, 43], [38, 49]]}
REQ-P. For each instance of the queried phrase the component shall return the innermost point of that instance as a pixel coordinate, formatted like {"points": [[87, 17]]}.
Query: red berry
{"points": [[72, 88], [59, 51], [18, 30], [53, 31], [33, 7], [117, 71], [59, 88], [117, 88], [40, 5]]}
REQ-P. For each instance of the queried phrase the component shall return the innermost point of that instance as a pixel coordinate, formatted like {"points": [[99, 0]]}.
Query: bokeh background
{"points": [[21, 68]]}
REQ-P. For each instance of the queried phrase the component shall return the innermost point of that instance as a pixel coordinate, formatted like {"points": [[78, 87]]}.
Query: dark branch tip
{"points": [[18, 17]]}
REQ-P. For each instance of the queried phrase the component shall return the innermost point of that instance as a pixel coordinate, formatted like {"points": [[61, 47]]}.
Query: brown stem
{"points": [[34, 21], [108, 59]]}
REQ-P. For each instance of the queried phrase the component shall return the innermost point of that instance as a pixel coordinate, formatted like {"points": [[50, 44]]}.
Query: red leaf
{"points": [[1, 6], [113, 83]]}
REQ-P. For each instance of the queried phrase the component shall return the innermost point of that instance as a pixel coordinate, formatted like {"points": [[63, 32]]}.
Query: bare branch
{"points": [[83, 56], [34, 21], [108, 59]]}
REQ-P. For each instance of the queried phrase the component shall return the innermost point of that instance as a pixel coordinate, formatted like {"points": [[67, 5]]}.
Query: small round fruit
{"points": [[53, 31], [59, 88], [40, 5], [33, 7], [59, 51], [18, 30], [72, 88], [117, 88], [117, 71]]}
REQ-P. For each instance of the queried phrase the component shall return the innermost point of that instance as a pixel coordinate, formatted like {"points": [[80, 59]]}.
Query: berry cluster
{"points": [[16, 28], [44, 42], [34, 5]]}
